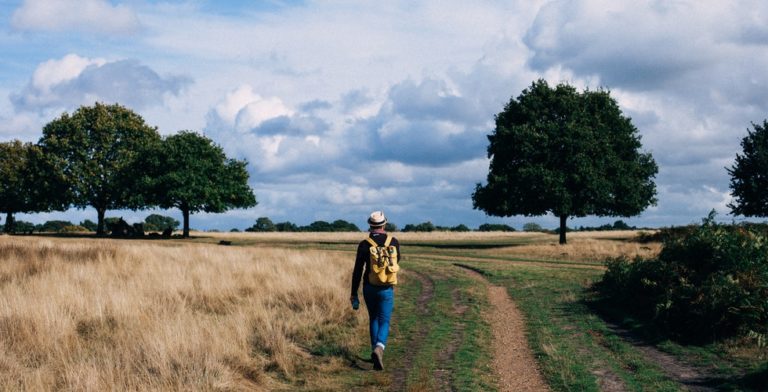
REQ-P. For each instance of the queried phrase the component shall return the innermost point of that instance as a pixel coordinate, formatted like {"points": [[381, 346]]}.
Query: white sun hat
{"points": [[377, 219]]}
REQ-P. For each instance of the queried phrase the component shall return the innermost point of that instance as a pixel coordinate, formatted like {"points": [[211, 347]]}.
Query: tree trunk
{"points": [[10, 223], [185, 212], [563, 218], [100, 218]]}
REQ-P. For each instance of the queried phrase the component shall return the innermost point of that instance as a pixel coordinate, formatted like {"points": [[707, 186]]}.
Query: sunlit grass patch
{"points": [[131, 315]]}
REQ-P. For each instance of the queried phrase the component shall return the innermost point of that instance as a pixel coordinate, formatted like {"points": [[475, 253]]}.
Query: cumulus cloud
{"points": [[351, 105], [643, 45], [426, 123], [276, 139], [23, 126], [73, 80], [243, 109], [81, 15]]}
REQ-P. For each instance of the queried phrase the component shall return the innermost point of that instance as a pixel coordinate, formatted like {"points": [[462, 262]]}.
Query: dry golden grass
{"points": [[582, 250], [595, 246], [583, 246], [357, 236], [104, 315]]}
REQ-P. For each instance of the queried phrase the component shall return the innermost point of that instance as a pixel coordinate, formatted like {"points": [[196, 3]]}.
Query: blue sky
{"points": [[344, 107]]}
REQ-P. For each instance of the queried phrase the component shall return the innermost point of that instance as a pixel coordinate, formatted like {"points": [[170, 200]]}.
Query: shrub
{"points": [[110, 223], [342, 225], [707, 284], [262, 224], [157, 222], [460, 227], [286, 227], [531, 226], [22, 227], [73, 229], [89, 224], [425, 226], [495, 227], [55, 226]]}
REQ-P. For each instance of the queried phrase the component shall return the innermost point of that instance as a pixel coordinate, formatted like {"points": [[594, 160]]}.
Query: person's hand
{"points": [[355, 302]]}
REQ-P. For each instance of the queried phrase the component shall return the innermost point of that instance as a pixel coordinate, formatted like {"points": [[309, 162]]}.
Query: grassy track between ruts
{"points": [[438, 342]]}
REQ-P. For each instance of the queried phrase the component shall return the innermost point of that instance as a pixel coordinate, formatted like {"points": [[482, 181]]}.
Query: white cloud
{"points": [[80, 15], [342, 105], [243, 109], [23, 126], [74, 80], [53, 72]]}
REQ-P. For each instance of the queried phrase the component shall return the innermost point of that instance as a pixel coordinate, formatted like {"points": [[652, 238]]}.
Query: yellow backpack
{"points": [[382, 266]]}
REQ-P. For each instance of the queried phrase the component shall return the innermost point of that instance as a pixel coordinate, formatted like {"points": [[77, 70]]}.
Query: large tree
{"points": [[97, 147], [555, 150], [28, 181], [190, 172], [749, 174]]}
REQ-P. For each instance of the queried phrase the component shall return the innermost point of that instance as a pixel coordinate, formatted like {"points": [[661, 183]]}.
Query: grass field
{"points": [[271, 312]]}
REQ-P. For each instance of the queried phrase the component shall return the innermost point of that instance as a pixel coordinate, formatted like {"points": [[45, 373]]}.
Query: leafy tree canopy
{"points": [[97, 148], [190, 172], [749, 174], [157, 222], [262, 224], [28, 181], [555, 150]]}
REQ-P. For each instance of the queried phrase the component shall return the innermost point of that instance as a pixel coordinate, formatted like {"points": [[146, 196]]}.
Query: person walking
{"points": [[377, 261]]}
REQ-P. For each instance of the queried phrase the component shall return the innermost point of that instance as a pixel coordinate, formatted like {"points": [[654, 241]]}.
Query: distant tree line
{"points": [[107, 157], [265, 224], [154, 222]]}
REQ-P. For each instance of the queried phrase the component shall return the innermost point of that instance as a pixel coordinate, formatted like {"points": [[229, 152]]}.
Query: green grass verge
{"points": [[575, 348]]}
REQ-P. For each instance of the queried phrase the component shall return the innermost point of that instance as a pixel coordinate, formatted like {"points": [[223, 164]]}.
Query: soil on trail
{"points": [[513, 361]]}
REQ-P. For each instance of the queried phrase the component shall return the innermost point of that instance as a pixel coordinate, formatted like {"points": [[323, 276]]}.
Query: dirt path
{"points": [[404, 364], [513, 361], [693, 378]]}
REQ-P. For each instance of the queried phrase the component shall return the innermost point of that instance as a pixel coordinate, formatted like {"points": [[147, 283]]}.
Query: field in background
{"points": [[271, 312]]}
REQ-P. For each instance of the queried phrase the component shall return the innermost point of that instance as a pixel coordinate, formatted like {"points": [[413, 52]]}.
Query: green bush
{"points": [[55, 226], [73, 229], [532, 226], [708, 284], [495, 227], [157, 222]]}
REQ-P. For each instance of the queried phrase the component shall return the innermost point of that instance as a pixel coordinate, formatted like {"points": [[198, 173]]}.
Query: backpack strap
{"points": [[372, 242], [388, 240]]}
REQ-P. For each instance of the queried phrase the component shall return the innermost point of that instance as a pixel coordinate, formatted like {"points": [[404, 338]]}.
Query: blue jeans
{"points": [[380, 300]]}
